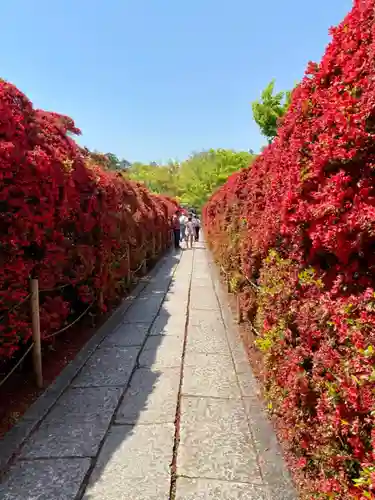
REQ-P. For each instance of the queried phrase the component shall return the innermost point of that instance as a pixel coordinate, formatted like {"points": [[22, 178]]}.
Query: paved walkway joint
{"points": [[163, 407]]}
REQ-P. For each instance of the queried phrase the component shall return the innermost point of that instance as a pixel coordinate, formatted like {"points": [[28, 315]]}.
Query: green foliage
{"points": [[269, 109], [161, 179], [108, 161], [202, 173], [268, 338], [194, 180], [235, 282], [365, 480], [114, 163], [308, 277]]}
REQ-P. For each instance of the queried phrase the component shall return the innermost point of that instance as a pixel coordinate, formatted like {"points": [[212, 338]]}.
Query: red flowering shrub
{"points": [[296, 233], [64, 220]]}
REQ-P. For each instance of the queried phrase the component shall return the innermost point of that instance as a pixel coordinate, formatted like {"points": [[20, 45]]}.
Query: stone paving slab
{"points": [[215, 441], [201, 270], [108, 366], [201, 278], [162, 352], [58, 479], [127, 335], [203, 298], [168, 325], [167, 344], [270, 456], [209, 375], [86, 403], [207, 319], [206, 333], [176, 306], [145, 309], [179, 288], [248, 384], [158, 286], [158, 488], [66, 439], [133, 452], [211, 489], [202, 341], [151, 397]]}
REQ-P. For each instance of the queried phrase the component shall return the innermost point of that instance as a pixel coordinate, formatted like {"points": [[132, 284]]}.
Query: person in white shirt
{"points": [[183, 221], [197, 225], [189, 232]]}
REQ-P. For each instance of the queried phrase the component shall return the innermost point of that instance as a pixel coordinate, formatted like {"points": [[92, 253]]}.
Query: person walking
{"points": [[189, 232], [183, 221], [197, 226], [176, 230]]}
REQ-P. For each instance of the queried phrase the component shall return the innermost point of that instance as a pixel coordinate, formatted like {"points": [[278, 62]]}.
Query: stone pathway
{"points": [[162, 407]]}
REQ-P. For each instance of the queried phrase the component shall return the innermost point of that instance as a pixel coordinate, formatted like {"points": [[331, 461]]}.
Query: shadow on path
{"points": [[112, 430]]}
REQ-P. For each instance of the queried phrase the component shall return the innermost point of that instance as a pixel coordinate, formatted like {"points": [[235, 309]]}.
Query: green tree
{"points": [[268, 111], [108, 161], [194, 180], [161, 179], [115, 163], [202, 173]]}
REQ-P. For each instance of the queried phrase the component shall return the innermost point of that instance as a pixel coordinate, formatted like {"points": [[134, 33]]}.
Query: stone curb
{"points": [[274, 471], [16, 437]]}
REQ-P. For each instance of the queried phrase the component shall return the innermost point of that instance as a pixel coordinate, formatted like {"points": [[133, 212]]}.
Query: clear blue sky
{"points": [[157, 79]]}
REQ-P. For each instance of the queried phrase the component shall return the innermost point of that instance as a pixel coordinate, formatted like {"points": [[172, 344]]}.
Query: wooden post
{"points": [[153, 246], [239, 316], [129, 276], [35, 321], [160, 243], [144, 267]]}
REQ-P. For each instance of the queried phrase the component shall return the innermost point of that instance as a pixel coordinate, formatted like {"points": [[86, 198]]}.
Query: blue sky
{"points": [[158, 79]]}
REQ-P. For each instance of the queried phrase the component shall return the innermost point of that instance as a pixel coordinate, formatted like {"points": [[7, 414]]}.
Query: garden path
{"points": [[162, 406]]}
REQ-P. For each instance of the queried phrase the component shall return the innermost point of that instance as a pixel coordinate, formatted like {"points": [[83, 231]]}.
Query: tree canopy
{"points": [[161, 179], [268, 111], [194, 180], [202, 173], [108, 161]]}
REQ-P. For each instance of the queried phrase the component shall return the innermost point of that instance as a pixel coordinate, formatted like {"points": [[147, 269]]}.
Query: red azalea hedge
{"points": [[300, 225], [64, 220]]}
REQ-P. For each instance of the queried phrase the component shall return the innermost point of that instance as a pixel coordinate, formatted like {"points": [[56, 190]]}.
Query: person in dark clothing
{"points": [[176, 230]]}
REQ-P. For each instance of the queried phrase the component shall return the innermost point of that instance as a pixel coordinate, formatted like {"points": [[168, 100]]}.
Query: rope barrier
{"points": [[14, 308], [46, 290], [16, 366], [254, 285], [139, 267], [65, 327], [49, 290], [70, 324], [257, 333]]}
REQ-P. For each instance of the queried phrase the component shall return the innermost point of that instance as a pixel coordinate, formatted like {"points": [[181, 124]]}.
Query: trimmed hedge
{"points": [[300, 225], [65, 221]]}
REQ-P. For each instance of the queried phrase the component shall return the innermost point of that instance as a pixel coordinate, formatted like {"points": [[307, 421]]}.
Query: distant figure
{"points": [[183, 221], [189, 232], [176, 230], [197, 226]]}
